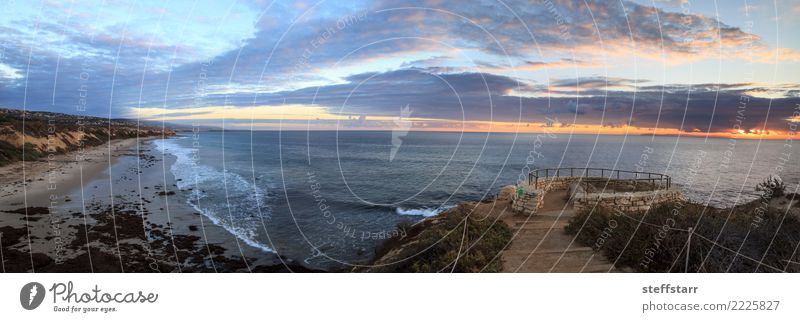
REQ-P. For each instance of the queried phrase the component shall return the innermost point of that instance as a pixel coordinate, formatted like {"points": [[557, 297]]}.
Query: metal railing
{"points": [[605, 174]]}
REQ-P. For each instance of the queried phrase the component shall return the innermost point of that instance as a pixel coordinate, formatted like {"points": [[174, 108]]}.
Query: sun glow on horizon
{"points": [[311, 117]]}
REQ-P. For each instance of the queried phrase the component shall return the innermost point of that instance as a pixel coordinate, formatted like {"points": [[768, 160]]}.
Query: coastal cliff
{"points": [[490, 236], [467, 238], [27, 135]]}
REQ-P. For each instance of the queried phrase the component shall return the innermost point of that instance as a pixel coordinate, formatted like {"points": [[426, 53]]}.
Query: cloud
{"points": [[449, 61], [617, 28], [8, 73], [562, 63], [674, 3], [460, 97], [594, 82]]}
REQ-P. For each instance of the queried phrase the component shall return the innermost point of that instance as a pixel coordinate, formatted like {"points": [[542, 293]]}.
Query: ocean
{"points": [[327, 198]]}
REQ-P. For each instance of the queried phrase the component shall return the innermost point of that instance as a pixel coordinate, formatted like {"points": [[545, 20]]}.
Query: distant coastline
{"points": [[92, 197], [31, 135]]}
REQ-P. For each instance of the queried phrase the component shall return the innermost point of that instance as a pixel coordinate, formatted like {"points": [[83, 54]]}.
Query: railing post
{"points": [[688, 246]]}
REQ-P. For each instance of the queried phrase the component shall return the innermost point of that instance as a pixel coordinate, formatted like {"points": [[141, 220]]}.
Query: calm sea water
{"points": [[327, 198]]}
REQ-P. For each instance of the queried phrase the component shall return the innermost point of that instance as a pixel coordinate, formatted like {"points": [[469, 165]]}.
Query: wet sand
{"points": [[113, 208]]}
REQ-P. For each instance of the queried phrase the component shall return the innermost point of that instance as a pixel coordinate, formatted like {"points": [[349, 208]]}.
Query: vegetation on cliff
{"points": [[32, 135], [760, 236], [443, 243]]}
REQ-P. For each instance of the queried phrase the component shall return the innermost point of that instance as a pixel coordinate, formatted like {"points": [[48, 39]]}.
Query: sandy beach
{"points": [[113, 208]]}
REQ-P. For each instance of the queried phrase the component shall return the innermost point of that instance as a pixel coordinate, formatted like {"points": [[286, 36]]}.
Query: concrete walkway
{"points": [[541, 245]]}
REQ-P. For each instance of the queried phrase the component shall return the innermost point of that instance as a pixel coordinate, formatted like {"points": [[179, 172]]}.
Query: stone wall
{"points": [[526, 203], [624, 201], [533, 196], [555, 183]]}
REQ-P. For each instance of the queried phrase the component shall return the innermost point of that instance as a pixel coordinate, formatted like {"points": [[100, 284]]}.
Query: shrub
{"points": [[658, 244], [10, 153], [771, 187], [433, 245]]}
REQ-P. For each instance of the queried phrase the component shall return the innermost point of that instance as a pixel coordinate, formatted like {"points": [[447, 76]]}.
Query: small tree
{"points": [[771, 187]]}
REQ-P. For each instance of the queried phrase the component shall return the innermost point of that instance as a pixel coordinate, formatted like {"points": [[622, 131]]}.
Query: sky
{"points": [[672, 67]]}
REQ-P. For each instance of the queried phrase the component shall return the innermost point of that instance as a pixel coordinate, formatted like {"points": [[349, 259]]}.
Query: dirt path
{"points": [[541, 245]]}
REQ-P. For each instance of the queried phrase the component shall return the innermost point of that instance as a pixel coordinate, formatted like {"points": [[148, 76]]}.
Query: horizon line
{"points": [[687, 134]]}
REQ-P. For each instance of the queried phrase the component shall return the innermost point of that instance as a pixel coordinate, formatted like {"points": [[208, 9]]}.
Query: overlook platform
{"points": [[551, 197], [592, 187]]}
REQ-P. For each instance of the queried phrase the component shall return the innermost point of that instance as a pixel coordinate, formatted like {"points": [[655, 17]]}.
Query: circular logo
{"points": [[31, 295]]}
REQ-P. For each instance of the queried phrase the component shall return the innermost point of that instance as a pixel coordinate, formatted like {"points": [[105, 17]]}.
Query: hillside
{"points": [[467, 238], [758, 236], [40, 133]]}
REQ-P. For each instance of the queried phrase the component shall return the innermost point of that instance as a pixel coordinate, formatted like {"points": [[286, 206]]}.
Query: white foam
{"points": [[426, 212], [240, 216]]}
